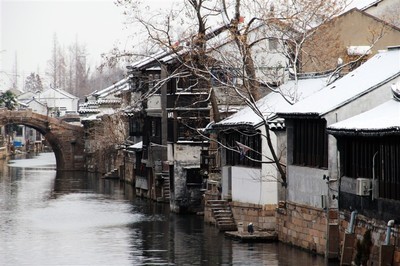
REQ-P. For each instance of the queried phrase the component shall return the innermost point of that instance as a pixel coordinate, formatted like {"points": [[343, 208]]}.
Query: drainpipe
{"points": [[350, 228], [373, 176], [388, 231]]}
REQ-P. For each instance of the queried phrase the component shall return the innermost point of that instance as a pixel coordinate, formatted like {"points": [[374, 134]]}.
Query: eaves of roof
{"points": [[118, 85], [308, 115], [395, 130]]}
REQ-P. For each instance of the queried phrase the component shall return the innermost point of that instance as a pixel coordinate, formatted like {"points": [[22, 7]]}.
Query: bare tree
{"points": [[102, 77], [33, 83], [69, 70], [52, 71], [236, 43], [104, 135]]}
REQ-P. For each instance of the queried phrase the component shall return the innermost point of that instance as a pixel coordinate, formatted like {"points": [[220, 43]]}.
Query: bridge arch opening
{"points": [[23, 138]]}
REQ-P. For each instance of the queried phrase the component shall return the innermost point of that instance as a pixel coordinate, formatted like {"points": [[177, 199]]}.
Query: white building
{"points": [[57, 101], [244, 181]]}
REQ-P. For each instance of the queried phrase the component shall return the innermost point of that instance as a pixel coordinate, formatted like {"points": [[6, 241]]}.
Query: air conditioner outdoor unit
{"points": [[363, 186]]}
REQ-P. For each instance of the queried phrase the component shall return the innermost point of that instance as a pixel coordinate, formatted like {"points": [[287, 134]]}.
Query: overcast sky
{"points": [[27, 28]]}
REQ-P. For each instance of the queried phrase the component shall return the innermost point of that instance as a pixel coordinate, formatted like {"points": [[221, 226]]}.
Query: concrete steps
{"points": [[166, 189], [222, 214]]}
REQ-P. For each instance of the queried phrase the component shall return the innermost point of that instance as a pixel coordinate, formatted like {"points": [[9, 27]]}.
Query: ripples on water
{"points": [[49, 218]]}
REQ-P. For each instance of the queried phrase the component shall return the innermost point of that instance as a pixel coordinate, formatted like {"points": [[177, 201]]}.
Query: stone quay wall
{"points": [[262, 216], [378, 235], [302, 226]]}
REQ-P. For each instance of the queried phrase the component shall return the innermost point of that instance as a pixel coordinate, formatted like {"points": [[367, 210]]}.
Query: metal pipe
{"points": [[350, 228], [373, 176], [388, 231]]}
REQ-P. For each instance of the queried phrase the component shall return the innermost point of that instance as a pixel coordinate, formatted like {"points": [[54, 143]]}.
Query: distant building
{"points": [[53, 102], [57, 101], [346, 41]]}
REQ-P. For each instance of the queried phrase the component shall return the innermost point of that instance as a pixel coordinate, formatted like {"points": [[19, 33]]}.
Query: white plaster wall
{"points": [[38, 108], [226, 179], [55, 99], [269, 172], [253, 185], [154, 102], [187, 153], [306, 185], [248, 186]]}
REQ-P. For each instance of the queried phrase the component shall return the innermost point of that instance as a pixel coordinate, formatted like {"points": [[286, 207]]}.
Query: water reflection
{"points": [[70, 218]]}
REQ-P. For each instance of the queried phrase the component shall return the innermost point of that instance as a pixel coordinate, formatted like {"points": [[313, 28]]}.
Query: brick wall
{"points": [[302, 226]]}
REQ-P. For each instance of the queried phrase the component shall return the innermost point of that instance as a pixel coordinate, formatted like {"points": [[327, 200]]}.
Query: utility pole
{"points": [[164, 112]]}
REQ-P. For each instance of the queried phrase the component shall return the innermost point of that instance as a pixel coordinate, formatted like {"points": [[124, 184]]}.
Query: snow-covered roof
{"points": [[380, 69], [149, 59], [88, 110], [274, 102], [23, 104], [88, 103], [105, 111], [109, 101], [51, 93], [136, 146], [67, 94], [120, 85], [381, 120], [359, 50], [362, 4], [34, 100], [105, 96], [26, 95]]}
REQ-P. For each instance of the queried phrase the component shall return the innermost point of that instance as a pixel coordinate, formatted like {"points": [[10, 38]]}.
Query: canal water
{"points": [[50, 218]]}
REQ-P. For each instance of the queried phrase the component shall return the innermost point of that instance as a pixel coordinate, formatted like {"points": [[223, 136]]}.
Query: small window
{"points": [[193, 176]]}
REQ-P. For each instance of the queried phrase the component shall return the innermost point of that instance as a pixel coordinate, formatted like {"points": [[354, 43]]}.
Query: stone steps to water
{"points": [[222, 214], [166, 189]]}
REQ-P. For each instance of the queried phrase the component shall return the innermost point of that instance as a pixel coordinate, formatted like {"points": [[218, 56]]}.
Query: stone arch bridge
{"points": [[65, 139]]}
